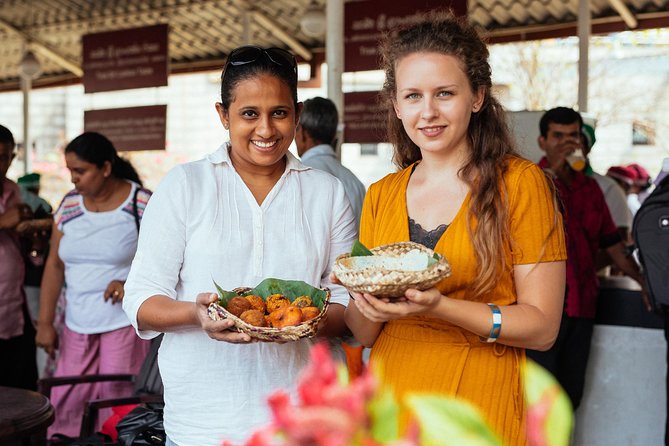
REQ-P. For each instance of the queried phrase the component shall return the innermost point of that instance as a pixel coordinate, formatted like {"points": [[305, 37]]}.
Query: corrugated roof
{"points": [[202, 32]]}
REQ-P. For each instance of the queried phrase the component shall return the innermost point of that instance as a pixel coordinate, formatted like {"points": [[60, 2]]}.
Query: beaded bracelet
{"points": [[496, 328]]}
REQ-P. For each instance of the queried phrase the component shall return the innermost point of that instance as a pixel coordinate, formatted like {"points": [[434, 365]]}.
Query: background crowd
{"points": [[123, 265]]}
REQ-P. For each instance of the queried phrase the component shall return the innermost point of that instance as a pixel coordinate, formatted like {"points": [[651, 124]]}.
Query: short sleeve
{"points": [[155, 268], [69, 209], [536, 226]]}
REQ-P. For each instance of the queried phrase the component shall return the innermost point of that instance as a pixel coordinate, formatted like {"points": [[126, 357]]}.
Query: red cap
{"points": [[642, 177], [623, 173]]}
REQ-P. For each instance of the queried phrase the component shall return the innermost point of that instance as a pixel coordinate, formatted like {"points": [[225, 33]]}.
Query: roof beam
{"points": [[282, 35], [624, 13], [44, 49]]}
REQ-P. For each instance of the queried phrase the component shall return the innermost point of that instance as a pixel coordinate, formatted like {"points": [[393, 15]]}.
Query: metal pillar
{"points": [[583, 56], [26, 85], [334, 57]]}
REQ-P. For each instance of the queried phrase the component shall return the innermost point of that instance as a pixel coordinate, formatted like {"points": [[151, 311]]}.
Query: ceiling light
{"points": [[313, 21], [30, 66]]}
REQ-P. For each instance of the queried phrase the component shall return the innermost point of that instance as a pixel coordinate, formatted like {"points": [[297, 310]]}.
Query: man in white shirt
{"points": [[315, 139], [614, 195]]}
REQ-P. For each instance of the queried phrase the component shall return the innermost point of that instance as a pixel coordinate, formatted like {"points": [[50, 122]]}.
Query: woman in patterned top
{"points": [[93, 242], [494, 217]]}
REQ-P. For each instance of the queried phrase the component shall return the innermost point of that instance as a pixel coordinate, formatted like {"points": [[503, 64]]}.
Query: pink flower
{"points": [[329, 412], [318, 376], [537, 416], [263, 437], [318, 385]]}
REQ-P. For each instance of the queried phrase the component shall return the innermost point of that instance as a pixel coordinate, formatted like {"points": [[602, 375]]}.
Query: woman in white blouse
{"points": [[248, 211]]}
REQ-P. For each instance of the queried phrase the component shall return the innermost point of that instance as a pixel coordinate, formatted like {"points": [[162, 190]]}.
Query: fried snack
{"points": [[308, 313], [285, 317], [257, 303], [302, 301], [276, 301], [254, 317], [238, 305]]}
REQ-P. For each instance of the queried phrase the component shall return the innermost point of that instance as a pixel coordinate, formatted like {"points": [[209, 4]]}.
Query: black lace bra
{"points": [[419, 235], [426, 238]]}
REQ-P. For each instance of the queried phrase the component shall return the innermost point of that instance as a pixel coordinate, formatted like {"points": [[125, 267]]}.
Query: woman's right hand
{"points": [[376, 309], [222, 330], [47, 338]]}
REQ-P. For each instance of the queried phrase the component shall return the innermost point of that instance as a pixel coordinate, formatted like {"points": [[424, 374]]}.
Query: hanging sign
{"points": [[364, 118], [129, 58], [365, 22], [133, 128]]}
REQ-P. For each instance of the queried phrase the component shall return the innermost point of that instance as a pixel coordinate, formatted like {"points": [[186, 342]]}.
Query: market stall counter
{"points": [[624, 402]]}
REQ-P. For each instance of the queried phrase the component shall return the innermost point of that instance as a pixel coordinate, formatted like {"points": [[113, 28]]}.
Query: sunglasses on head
{"points": [[250, 53]]}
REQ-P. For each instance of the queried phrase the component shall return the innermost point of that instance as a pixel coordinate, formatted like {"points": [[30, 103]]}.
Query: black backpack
{"points": [[651, 236]]}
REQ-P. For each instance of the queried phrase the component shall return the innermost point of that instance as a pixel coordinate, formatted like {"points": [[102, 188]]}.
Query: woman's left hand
{"points": [[413, 303], [114, 291]]}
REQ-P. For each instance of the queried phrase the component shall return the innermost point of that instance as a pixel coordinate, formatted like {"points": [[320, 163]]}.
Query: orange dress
{"points": [[423, 354]]}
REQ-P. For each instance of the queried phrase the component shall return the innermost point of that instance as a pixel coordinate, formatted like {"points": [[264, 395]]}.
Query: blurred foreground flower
{"points": [[549, 413], [330, 411]]}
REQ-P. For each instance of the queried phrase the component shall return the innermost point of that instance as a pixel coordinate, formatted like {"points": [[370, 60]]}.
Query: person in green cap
{"points": [[29, 185]]}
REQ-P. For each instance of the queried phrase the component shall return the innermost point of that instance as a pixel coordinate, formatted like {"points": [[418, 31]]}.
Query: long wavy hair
{"points": [[488, 133]]}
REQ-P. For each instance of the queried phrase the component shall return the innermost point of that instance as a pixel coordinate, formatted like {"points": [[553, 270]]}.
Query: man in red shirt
{"points": [[588, 227]]}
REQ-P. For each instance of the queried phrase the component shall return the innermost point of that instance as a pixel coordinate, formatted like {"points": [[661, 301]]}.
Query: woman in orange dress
{"points": [[463, 191]]}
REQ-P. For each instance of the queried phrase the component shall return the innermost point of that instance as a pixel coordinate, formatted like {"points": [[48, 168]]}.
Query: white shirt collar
{"points": [[222, 155]]}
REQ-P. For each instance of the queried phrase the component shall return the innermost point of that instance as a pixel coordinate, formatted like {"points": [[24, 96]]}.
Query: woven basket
{"points": [[292, 333], [383, 282]]}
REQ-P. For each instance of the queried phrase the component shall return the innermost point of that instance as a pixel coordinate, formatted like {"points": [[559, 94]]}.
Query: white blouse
{"points": [[96, 248], [203, 224]]}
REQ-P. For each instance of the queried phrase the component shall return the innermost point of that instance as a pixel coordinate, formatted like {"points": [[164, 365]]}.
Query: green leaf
{"points": [[342, 375], [291, 289], [442, 418], [384, 412], [224, 296], [432, 260], [360, 250]]}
